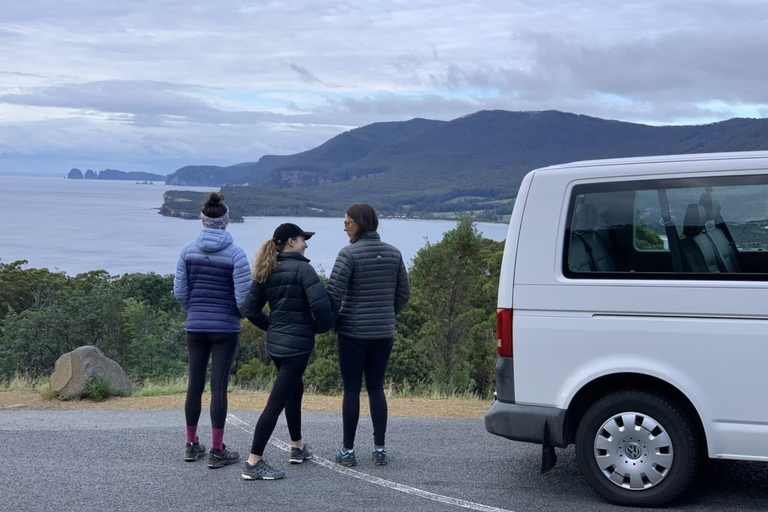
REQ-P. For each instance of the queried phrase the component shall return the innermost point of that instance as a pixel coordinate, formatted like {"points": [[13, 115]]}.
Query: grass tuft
{"points": [[99, 390], [163, 387], [23, 382]]}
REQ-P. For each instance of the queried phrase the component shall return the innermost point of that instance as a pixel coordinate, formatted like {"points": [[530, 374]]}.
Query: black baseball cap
{"points": [[288, 230]]}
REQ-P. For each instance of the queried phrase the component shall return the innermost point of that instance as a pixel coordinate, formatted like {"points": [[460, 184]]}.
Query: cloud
{"points": [[304, 73], [157, 83]]}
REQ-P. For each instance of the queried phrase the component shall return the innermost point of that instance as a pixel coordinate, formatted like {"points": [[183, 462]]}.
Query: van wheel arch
{"points": [[598, 388]]}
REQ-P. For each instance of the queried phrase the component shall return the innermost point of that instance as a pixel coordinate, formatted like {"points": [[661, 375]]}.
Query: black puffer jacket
{"points": [[298, 305], [368, 287]]}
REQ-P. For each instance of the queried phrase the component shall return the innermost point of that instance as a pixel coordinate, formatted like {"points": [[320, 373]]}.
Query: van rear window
{"points": [[691, 228]]}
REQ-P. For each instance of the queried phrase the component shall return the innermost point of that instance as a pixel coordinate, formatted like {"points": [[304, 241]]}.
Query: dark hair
{"points": [[214, 205], [365, 217]]}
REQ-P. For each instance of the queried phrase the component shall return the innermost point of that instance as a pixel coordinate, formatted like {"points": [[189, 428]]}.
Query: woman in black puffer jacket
{"points": [[299, 308]]}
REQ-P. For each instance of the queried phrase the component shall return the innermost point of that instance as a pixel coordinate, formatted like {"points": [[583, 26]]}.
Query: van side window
{"points": [[691, 228]]}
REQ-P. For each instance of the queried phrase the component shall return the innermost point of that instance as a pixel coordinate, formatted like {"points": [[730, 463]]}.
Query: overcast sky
{"points": [[157, 84]]}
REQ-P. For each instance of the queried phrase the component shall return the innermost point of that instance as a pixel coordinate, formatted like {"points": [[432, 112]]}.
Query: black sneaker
{"points": [[221, 458], [299, 455], [193, 452], [379, 456], [345, 457], [261, 471]]}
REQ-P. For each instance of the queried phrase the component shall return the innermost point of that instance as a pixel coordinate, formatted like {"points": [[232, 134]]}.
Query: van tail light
{"points": [[504, 332]]}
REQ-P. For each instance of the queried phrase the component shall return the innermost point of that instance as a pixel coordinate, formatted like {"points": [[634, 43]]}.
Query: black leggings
{"points": [[286, 393], [358, 356], [200, 347]]}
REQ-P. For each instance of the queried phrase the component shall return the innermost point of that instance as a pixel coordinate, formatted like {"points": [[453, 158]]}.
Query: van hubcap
{"points": [[633, 451]]}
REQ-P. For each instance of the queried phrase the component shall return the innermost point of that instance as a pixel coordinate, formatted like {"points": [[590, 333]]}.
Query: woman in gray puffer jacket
{"points": [[368, 287], [299, 308]]}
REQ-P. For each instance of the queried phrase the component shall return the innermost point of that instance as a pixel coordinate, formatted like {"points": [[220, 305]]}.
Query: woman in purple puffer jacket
{"points": [[212, 281]]}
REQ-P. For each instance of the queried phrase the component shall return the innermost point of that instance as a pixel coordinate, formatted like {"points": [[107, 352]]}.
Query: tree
{"points": [[33, 339], [155, 339], [151, 288], [454, 293], [22, 289], [133, 320]]}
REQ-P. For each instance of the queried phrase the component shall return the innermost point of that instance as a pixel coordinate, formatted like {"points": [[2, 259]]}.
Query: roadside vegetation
{"points": [[178, 386], [444, 344]]}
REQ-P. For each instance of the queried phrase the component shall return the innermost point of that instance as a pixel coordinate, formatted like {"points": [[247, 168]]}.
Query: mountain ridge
{"points": [[428, 168]]}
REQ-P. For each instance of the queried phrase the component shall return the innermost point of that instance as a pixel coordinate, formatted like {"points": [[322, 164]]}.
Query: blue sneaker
{"points": [[345, 457], [379, 456]]}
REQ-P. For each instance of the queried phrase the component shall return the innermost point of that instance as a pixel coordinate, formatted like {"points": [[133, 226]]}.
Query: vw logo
{"points": [[633, 451]]}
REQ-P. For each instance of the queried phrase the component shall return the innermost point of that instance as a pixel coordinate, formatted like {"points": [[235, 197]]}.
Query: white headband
{"points": [[215, 222]]}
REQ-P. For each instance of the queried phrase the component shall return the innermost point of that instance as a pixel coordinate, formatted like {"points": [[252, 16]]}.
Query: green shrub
{"points": [[408, 362], [255, 374], [323, 376], [97, 389]]}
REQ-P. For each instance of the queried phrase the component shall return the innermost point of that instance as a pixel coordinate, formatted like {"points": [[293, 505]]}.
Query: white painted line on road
{"points": [[237, 422]]}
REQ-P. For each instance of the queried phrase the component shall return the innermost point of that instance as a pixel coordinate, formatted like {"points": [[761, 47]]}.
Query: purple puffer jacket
{"points": [[212, 281]]}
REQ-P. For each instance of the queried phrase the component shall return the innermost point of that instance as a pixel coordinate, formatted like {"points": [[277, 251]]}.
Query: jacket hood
{"points": [[213, 240]]}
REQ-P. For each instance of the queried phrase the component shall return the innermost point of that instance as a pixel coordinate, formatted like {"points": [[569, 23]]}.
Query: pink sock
{"points": [[192, 434], [217, 438]]}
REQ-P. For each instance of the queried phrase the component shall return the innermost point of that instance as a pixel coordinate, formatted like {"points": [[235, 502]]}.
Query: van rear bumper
{"points": [[527, 423]]}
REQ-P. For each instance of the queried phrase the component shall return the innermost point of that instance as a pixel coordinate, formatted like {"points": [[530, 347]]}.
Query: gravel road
{"points": [[131, 460]]}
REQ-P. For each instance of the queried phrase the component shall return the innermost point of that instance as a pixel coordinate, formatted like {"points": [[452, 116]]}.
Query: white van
{"points": [[633, 319]]}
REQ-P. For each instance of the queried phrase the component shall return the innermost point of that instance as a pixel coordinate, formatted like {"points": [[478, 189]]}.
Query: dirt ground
{"points": [[425, 407]]}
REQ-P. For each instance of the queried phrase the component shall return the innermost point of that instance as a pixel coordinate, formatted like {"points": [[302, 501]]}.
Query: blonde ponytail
{"points": [[266, 260]]}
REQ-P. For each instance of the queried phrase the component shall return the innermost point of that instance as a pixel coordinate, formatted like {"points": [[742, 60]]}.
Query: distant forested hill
{"points": [[439, 168]]}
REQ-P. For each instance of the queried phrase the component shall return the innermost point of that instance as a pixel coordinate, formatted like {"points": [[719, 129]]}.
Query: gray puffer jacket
{"points": [[298, 306], [368, 287]]}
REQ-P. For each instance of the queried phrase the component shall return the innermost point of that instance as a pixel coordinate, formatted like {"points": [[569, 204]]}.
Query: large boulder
{"points": [[73, 370]]}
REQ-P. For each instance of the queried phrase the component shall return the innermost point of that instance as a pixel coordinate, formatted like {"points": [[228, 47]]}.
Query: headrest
{"points": [[605, 214], [710, 204], [695, 216], [585, 217]]}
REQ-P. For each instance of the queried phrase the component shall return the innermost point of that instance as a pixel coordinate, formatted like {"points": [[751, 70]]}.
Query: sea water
{"points": [[75, 226]]}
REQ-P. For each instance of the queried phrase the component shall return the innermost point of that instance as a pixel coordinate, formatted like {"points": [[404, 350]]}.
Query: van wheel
{"points": [[637, 448]]}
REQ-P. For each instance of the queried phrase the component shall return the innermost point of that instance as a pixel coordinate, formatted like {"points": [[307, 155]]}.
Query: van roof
{"points": [[644, 160]]}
